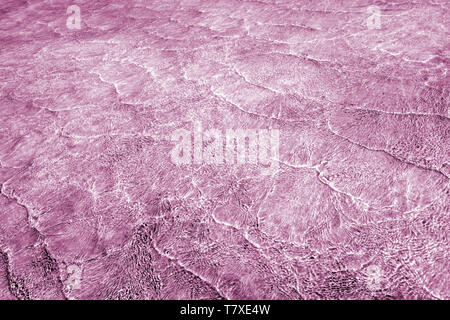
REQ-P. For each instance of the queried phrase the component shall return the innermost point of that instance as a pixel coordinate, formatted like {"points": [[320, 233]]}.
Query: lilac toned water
{"points": [[224, 149]]}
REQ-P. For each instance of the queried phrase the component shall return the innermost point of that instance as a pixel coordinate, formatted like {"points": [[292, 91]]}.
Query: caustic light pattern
{"points": [[311, 145]]}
